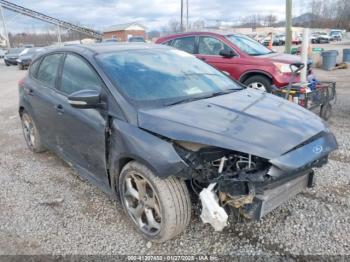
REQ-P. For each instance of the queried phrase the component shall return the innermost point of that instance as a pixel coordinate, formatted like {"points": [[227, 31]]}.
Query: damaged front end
{"points": [[247, 185]]}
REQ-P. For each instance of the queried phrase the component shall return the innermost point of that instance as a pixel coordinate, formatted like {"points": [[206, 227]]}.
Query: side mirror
{"points": [[227, 53], [86, 98]]}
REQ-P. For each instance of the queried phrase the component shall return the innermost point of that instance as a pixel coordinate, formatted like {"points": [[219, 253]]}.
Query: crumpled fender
{"points": [[128, 141]]}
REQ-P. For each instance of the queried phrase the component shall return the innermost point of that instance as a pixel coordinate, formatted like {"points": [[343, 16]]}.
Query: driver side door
{"points": [[82, 131]]}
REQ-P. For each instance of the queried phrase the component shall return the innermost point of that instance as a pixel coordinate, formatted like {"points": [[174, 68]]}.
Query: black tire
{"points": [[265, 81], [7, 64], [172, 197], [33, 139]]}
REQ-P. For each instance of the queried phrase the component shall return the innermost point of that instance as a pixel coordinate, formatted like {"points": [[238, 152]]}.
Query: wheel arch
{"points": [[249, 74], [119, 163]]}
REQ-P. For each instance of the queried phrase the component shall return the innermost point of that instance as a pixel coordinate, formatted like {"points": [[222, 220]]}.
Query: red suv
{"points": [[240, 56]]}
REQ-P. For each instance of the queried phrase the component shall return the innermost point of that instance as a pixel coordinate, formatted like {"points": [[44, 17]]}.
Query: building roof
{"points": [[123, 27]]}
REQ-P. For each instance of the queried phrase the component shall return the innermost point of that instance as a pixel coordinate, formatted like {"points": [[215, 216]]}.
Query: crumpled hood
{"points": [[248, 121]]}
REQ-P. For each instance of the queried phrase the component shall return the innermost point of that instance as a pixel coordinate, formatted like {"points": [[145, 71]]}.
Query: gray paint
{"points": [[98, 141]]}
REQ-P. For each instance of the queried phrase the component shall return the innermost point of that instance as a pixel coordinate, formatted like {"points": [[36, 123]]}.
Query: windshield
{"points": [[15, 50], [159, 77], [248, 45]]}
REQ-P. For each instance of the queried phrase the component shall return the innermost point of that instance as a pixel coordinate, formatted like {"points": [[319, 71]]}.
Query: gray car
{"points": [[25, 57], [150, 124], [12, 55]]}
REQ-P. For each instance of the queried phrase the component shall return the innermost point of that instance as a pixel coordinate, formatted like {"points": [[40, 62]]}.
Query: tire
{"points": [[166, 200], [20, 67], [31, 134], [7, 64], [263, 83]]}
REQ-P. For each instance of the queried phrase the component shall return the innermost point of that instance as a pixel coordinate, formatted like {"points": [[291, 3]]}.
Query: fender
{"points": [[129, 142], [255, 71]]}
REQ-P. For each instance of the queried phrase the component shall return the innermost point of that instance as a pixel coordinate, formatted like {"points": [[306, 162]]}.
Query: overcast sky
{"points": [[100, 14]]}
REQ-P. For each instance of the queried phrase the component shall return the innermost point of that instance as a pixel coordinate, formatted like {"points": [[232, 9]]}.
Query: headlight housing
{"points": [[284, 68]]}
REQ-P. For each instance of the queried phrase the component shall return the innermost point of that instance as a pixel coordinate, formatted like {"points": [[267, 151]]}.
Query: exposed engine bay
{"points": [[238, 183]]}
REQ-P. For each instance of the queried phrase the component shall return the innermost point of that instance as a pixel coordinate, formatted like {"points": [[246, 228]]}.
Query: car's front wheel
{"points": [[159, 208], [31, 133], [259, 82]]}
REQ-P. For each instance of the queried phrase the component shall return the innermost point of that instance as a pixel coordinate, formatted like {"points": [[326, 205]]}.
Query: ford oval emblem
{"points": [[317, 149]]}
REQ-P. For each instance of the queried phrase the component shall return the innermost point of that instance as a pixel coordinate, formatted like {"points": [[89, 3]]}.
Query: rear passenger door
{"points": [[41, 94], [186, 44], [209, 49], [82, 131]]}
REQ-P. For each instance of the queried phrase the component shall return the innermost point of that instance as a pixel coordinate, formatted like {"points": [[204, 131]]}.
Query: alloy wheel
{"points": [[142, 204], [28, 130]]}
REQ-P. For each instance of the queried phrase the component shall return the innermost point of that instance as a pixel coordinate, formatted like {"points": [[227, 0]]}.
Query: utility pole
{"points": [[186, 15], [5, 28], [59, 35], [289, 8], [182, 16]]}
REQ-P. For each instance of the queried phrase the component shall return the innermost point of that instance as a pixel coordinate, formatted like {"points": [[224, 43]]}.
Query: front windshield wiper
{"points": [[191, 99]]}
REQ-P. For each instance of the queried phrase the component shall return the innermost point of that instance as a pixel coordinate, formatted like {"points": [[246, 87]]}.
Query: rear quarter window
{"points": [[34, 68], [48, 69]]}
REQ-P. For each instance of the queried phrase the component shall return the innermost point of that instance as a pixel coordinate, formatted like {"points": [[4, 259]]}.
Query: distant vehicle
{"points": [[109, 40], [139, 39], [2, 53], [282, 38], [313, 38], [276, 41], [27, 46], [12, 56], [322, 37], [26, 56], [336, 35], [240, 56], [297, 40]]}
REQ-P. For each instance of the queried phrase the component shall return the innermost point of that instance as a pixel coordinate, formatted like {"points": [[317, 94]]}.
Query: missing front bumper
{"points": [[272, 198]]}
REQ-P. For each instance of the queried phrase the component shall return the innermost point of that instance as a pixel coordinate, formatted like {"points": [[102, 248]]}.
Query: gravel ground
{"points": [[46, 208]]}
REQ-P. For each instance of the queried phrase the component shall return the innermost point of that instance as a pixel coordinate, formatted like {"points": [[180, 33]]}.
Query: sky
{"points": [[154, 14]]}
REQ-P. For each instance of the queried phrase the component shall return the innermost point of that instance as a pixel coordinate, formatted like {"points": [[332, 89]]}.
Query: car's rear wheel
{"points": [[31, 134], [159, 208], [259, 82]]}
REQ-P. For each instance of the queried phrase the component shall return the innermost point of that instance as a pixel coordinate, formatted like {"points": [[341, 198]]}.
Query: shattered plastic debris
{"points": [[212, 212]]}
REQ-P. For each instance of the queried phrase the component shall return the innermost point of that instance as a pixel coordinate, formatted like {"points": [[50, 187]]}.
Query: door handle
{"points": [[30, 91], [59, 109]]}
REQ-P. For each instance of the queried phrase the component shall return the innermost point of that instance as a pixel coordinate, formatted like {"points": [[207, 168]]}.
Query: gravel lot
{"points": [[83, 220]]}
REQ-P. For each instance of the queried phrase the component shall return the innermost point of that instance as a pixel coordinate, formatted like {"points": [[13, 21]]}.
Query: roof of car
{"points": [[108, 47], [195, 33]]}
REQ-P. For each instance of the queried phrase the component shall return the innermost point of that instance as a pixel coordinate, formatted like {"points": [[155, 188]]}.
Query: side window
{"points": [[77, 75], [48, 69], [211, 46], [167, 42], [185, 44], [34, 68]]}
